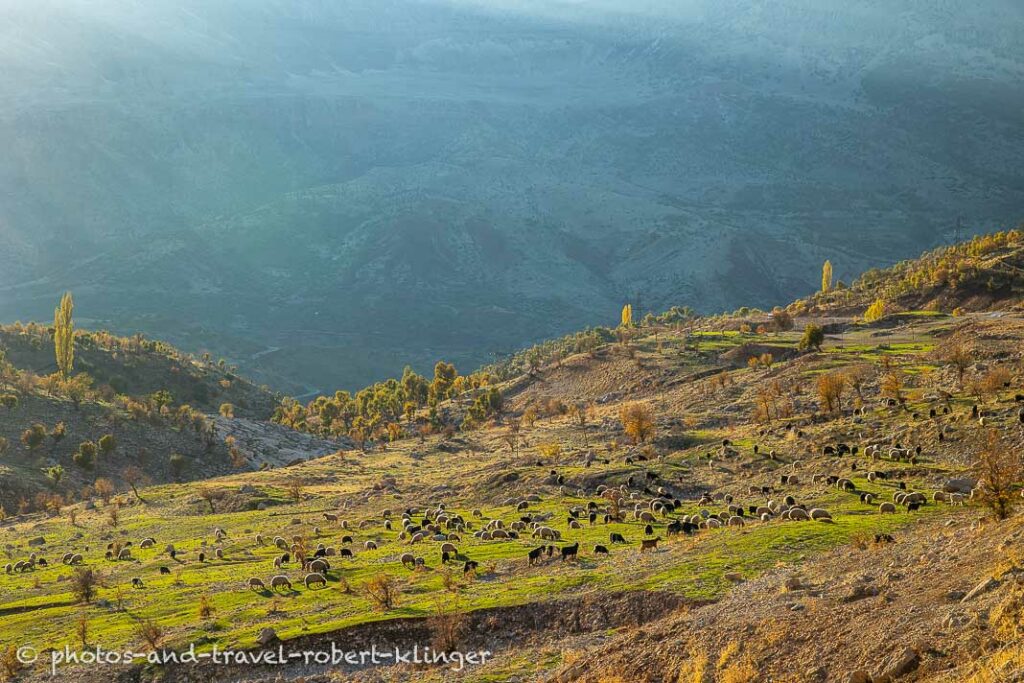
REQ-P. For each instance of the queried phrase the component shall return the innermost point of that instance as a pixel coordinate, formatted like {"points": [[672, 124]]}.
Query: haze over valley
{"points": [[323, 192]]}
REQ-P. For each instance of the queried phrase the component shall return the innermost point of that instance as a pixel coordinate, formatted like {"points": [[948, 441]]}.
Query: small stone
{"points": [[266, 636], [983, 587], [38, 540]]}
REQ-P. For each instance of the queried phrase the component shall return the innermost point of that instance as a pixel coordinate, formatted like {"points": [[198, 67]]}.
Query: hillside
{"points": [[159, 409], [666, 425], [296, 186]]}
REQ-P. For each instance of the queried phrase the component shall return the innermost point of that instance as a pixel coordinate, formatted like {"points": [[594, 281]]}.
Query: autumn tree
{"points": [[999, 470], [104, 488], [956, 355], [580, 414], [831, 386], [637, 421], [626, 319], [781, 319], [134, 477], [826, 277], [857, 376], [64, 335], [875, 311]]}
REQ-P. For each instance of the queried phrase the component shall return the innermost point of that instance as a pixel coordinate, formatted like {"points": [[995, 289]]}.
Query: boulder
{"points": [[266, 636]]}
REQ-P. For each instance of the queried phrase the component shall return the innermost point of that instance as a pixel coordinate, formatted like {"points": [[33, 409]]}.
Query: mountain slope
{"points": [[296, 186]]}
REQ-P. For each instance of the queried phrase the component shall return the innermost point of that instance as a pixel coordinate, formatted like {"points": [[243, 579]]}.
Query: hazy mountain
{"points": [[325, 190]]}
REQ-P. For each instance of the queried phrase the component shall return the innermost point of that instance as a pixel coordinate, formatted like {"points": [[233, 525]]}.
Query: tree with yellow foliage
{"points": [[826, 277], [627, 316], [64, 335], [637, 421], [876, 311]]}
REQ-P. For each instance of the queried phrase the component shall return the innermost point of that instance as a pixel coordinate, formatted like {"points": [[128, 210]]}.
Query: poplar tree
{"points": [[64, 335], [826, 277]]}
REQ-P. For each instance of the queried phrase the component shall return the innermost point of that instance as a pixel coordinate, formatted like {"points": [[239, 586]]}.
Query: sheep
{"points": [[735, 521], [470, 566], [570, 551], [534, 555], [330, 517], [165, 570], [886, 508], [449, 548], [137, 583], [281, 543], [820, 515], [798, 515], [255, 583], [956, 499], [147, 543], [616, 538], [370, 545], [314, 580], [125, 554], [76, 559], [319, 566], [408, 560], [280, 581]]}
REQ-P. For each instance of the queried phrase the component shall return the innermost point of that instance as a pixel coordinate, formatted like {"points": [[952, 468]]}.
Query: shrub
{"points": [[34, 436], [84, 583], [107, 444], [382, 590], [999, 470]]}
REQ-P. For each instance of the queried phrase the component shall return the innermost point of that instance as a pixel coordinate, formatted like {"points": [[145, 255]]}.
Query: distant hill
{"points": [[324, 192]]}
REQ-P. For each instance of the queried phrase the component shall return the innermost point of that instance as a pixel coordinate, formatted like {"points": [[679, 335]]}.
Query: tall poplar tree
{"points": [[826, 277], [64, 335]]}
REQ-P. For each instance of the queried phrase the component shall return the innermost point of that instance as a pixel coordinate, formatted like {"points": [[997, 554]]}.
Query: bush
{"points": [[84, 583], [382, 590], [34, 436], [814, 337]]}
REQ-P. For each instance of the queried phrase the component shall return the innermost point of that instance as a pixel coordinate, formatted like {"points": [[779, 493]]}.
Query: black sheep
{"points": [[570, 551], [600, 550], [535, 554], [616, 538]]}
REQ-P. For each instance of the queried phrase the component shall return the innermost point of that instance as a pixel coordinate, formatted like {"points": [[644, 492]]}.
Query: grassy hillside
{"points": [[673, 411]]}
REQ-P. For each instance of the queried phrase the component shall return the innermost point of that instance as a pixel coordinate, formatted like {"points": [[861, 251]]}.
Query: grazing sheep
{"points": [[820, 515], [319, 567], [370, 545], [616, 538], [534, 555], [408, 560], [280, 581], [255, 583], [281, 543], [736, 521], [314, 580], [147, 543], [125, 554], [137, 583], [470, 566], [570, 551], [884, 538], [165, 570], [219, 554], [649, 544], [449, 548], [886, 508], [600, 550], [330, 517], [956, 499], [798, 515]]}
